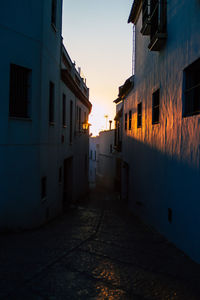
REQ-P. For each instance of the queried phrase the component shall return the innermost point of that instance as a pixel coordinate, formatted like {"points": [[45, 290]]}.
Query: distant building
{"points": [[120, 166], [93, 160], [40, 148], [106, 160], [161, 134]]}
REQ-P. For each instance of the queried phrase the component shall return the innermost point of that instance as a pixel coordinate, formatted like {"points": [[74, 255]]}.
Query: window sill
{"points": [[191, 114], [24, 119], [64, 126], [51, 124], [156, 123]]}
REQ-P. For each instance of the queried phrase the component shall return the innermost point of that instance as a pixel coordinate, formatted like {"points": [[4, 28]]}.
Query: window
{"points": [[43, 187], [158, 24], [146, 25], [71, 122], [110, 148], [125, 124], [64, 111], [192, 89], [139, 115], [20, 78], [53, 12], [130, 119], [155, 107], [79, 119], [86, 164], [60, 175], [51, 102]]}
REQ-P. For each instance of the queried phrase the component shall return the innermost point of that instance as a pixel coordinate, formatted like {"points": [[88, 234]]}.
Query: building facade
{"points": [[161, 134], [32, 114], [106, 160]]}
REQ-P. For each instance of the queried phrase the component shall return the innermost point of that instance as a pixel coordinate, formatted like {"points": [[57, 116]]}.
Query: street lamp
{"points": [[85, 126]]}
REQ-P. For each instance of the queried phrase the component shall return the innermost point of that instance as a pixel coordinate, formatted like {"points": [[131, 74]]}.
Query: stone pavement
{"points": [[95, 251]]}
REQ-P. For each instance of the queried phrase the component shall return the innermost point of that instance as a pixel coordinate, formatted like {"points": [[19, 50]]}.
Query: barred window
{"points": [[192, 89], [125, 122], [155, 107], [71, 122], [20, 82], [43, 187], [53, 12], [51, 102], [139, 115], [130, 119], [64, 111]]}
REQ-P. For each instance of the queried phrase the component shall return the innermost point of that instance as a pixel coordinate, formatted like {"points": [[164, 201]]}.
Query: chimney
{"points": [[110, 122]]}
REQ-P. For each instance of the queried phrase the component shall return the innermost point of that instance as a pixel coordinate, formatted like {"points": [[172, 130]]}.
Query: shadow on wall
{"points": [[164, 192]]}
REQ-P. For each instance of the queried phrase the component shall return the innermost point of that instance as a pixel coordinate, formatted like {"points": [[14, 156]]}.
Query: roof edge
{"points": [[135, 10]]}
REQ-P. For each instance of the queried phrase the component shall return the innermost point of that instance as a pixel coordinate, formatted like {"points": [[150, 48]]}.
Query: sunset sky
{"points": [[98, 38]]}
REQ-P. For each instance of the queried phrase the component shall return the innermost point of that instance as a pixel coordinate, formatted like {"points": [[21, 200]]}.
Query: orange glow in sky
{"points": [[98, 38]]}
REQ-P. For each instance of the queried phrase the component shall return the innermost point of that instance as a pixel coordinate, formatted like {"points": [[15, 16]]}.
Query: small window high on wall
{"points": [[20, 84], [156, 107], [191, 89], [53, 12]]}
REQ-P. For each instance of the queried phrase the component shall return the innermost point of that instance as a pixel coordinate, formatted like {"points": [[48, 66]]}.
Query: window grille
{"points": [[192, 89], [155, 107], [139, 115], [51, 102], [19, 91], [53, 12], [130, 119], [125, 124], [64, 111]]}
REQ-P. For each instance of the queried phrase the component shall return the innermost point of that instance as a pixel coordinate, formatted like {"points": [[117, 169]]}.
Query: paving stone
{"points": [[95, 251]]}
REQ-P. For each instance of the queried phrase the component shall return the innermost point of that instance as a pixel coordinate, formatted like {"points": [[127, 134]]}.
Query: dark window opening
{"points": [[43, 187], [64, 111], [158, 24], [86, 164], [125, 124], [146, 27], [51, 102], [139, 115], [130, 119], [79, 119], [155, 107], [110, 148], [71, 122], [170, 215], [19, 91], [192, 89], [53, 12], [60, 175]]}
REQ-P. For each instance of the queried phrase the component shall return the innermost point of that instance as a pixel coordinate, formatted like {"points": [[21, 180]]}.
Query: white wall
{"points": [[164, 158]]}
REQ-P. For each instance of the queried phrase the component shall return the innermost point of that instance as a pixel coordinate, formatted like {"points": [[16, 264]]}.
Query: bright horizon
{"points": [[99, 40]]}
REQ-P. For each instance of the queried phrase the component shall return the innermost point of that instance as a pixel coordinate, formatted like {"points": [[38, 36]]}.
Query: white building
{"points": [[34, 141], [106, 160], [93, 160], [161, 134]]}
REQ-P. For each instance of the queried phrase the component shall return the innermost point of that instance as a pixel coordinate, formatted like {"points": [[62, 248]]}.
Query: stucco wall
{"points": [[164, 158]]}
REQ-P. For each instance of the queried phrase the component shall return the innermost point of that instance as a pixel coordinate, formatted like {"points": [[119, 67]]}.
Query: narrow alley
{"points": [[96, 250]]}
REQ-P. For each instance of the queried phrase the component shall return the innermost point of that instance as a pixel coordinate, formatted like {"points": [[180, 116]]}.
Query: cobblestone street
{"points": [[95, 251]]}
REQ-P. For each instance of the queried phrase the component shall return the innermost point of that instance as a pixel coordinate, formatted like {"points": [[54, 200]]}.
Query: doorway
{"points": [[67, 182]]}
